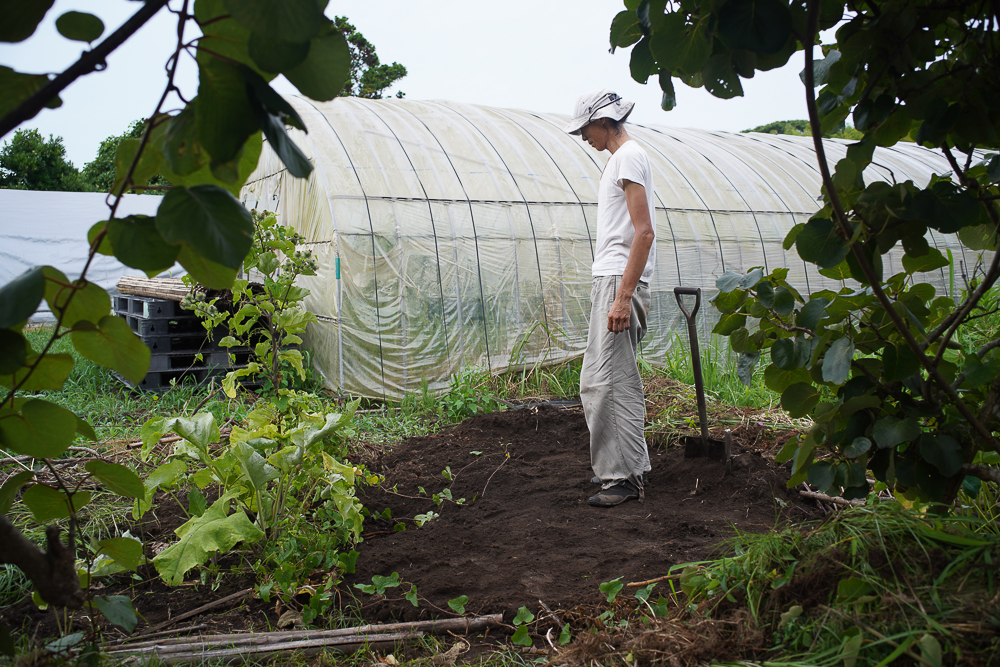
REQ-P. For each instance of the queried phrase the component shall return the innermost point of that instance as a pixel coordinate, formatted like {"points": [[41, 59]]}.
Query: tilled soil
{"points": [[526, 533], [523, 535]]}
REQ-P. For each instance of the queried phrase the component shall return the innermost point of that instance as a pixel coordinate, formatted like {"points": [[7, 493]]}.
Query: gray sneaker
{"points": [[614, 495]]}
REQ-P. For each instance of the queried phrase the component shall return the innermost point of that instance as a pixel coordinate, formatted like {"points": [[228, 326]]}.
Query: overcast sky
{"points": [[538, 55]]}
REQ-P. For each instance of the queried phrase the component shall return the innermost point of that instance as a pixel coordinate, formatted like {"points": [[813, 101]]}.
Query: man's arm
{"points": [[638, 210]]}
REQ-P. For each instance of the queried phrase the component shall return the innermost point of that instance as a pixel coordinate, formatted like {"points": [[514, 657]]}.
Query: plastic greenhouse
{"points": [[448, 234]]}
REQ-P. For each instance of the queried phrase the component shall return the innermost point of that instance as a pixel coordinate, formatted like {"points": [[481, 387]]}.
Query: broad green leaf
{"points": [[837, 361], [980, 237], [728, 281], [928, 262], [745, 367], [50, 372], [523, 616], [943, 452], [820, 243], [47, 504], [118, 478], [811, 313], [126, 551], [10, 488], [137, 243], [761, 26], [74, 301], [728, 323], [20, 19], [206, 272], [209, 221], [200, 430], [679, 47], [721, 78], [165, 475], [891, 431], [322, 75], [118, 610], [778, 380], [612, 588], [287, 20], [276, 55], [214, 532], [13, 351], [255, 468], [625, 29], [821, 475], [521, 637], [641, 64], [112, 344], [899, 362], [179, 144], [20, 297], [751, 279], [799, 399], [16, 87], [80, 26], [458, 604], [784, 301], [783, 354], [224, 119], [273, 126], [858, 447], [40, 429], [197, 503]]}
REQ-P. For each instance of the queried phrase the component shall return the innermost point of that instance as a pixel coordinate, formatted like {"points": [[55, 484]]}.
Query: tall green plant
{"points": [[205, 151], [266, 314], [882, 369]]}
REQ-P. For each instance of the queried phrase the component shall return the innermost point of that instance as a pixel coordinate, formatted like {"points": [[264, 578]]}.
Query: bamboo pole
{"points": [[459, 625], [172, 289], [346, 644]]}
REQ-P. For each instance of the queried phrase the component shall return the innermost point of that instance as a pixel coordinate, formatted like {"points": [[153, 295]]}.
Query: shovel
{"points": [[704, 445]]}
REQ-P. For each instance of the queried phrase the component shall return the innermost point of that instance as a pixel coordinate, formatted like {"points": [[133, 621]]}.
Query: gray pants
{"points": [[611, 389]]}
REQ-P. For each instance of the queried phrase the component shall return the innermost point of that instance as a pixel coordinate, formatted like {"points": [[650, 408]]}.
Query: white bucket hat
{"points": [[603, 103]]}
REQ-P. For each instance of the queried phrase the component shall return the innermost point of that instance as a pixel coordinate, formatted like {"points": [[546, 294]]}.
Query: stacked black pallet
{"points": [[180, 345]]}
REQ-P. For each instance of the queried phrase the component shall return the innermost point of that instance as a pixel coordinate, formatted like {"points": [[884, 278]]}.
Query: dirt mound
{"points": [[525, 531]]}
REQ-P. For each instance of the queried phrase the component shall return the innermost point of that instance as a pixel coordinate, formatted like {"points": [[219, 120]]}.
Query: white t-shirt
{"points": [[615, 230]]}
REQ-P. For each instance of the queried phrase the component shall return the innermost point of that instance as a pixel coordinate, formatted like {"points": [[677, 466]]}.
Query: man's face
{"points": [[595, 134]]}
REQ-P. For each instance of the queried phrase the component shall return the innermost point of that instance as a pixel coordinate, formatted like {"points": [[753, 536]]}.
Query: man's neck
{"points": [[615, 141]]}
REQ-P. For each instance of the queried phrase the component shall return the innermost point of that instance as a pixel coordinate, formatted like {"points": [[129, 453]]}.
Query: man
{"points": [[610, 386]]}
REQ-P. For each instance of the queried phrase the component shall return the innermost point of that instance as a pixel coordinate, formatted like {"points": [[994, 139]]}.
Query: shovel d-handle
{"points": [[699, 384]]}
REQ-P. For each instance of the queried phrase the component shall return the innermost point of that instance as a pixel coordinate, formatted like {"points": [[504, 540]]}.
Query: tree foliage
{"points": [[886, 367], [99, 173], [30, 162], [369, 77], [801, 128], [205, 150]]}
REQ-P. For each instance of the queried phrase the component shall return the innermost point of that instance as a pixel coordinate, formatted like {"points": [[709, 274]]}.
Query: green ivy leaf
{"points": [[612, 588], [720, 78], [799, 399], [641, 63], [112, 344], [784, 301], [458, 604], [207, 220], [13, 351], [276, 55], [858, 447], [778, 380], [47, 504], [20, 297], [821, 475], [75, 302], [39, 429], [80, 26], [224, 119], [728, 281], [521, 637], [811, 313], [118, 478], [679, 47], [728, 323], [931, 261]]}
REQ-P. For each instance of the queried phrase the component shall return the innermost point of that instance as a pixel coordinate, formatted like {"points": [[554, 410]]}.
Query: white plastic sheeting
{"points": [[50, 228], [452, 234]]}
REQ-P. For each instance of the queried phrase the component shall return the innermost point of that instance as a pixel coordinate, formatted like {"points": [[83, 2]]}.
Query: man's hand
{"points": [[619, 315]]}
